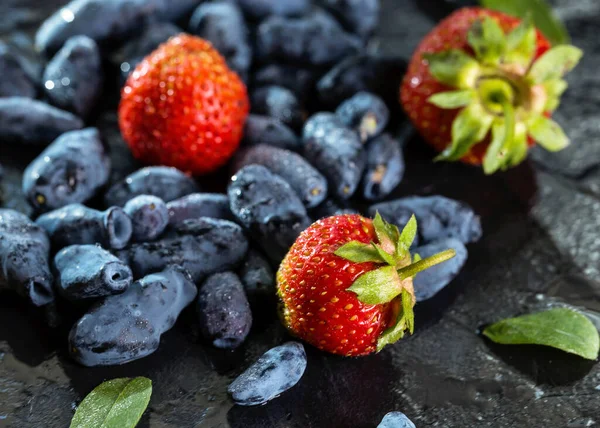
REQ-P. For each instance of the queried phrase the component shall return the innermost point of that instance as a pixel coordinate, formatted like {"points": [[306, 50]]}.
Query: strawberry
{"points": [[346, 284], [482, 85], [183, 107]]}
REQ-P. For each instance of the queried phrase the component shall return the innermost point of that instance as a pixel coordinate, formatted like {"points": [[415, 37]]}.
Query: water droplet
{"points": [[67, 15]]}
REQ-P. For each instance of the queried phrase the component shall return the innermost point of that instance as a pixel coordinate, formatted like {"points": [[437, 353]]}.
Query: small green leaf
{"points": [[547, 133], [554, 90], [387, 257], [377, 286], [416, 257], [387, 234], [521, 43], [518, 150], [559, 328], [407, 310], [453, 67], [452, 99], [117, 403], [495, 155], [503, 130], [359, 252], [487, 40], [407, 236], [540, 12], [405, 321], [470, 127], [555, 63]]}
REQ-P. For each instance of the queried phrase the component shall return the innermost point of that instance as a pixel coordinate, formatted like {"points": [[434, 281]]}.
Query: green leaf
{"points": [[554, 90], [387, 234], [559, 328], [407, 236], [387, 257], [407, 310], [487, 40], [503, 133], [377, 286], [452, 99], [495, 156], [470, 127], [359, 252], [453, 67], [117, 403], [405, 321], [540, 12], [416, 257], [555, 63], [518, 150], [521, 43], [547, 133]]}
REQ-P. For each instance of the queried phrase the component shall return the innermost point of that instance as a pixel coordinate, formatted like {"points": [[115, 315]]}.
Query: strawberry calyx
{"points": [[391, 281], [501, 90]]}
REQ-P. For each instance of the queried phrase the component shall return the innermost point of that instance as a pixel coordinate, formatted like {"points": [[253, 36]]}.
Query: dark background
{"points": [[541, 247]]}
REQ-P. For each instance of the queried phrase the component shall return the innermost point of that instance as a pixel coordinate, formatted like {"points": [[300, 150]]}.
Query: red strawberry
{"points": [[481, 87], [346, 284], [183, 107]]}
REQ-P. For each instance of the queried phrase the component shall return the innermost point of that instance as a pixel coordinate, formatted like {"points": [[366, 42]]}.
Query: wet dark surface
{"points": [[541, 247]]}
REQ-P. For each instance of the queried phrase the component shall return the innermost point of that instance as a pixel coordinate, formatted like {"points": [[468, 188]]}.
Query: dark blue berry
{"points": [[24, 252], [15, 82], [175, 10], [165, 182], [128, 326], [266, 205], [366, 113], [380, 75], [73, 78], [149, 217], [70, 170], [336, 151], [307, 182], [257, 275], [279, 103], [222, 24], [276, 371], [316, 39], [203, 246], [89, 271], [300, 80], [438, 217], [197, 205], [31, 60], [224, 311], [385, 167], [357, 16], [101, 20], [267, 130], [259, 9], [135, 49], [330, 207], [396, 420], [430, 281], [23, 120], [77, 224]]}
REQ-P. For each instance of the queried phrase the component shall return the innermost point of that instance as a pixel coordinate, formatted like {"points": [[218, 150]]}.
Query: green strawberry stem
{"points": [[416, 267]]}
